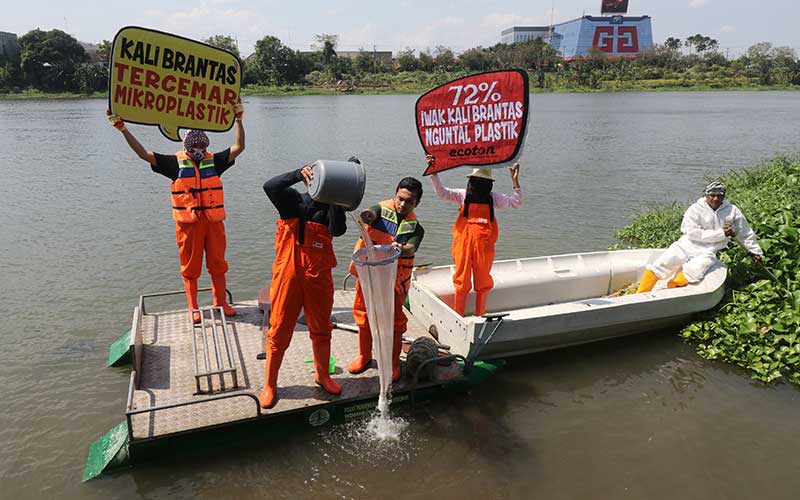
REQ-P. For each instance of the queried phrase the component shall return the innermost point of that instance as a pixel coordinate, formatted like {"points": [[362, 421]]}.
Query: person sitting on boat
{"points": [[707, 228], [391, 222], [301, 277], [475, 231], [197, 205]]}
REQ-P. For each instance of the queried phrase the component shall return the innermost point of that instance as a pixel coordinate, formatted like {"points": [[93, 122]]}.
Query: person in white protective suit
{"points": [[707, 228]]}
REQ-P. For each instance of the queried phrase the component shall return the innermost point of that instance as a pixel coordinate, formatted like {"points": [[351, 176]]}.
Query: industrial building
{"points": [[9, 46], [615, 36]]}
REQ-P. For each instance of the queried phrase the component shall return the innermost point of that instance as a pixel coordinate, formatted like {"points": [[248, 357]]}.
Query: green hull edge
{"points": [[109, 452], [260, 430], [119, 353]]}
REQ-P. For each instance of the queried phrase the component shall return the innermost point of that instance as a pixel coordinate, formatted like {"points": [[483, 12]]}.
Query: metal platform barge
{"points": [[194, 388]]}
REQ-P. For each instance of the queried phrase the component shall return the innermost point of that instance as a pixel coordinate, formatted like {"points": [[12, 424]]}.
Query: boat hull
{"points": [[559, 301]]}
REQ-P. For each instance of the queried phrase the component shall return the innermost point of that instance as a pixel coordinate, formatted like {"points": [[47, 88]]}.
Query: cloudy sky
{"points": [[418, 24]]}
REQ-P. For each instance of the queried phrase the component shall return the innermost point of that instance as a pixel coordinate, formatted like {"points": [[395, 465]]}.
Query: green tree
{"points": [[365, 61], [701, 43], [760, 59], [224, 42], [406, 60], [49, 59], [327, 52], [673, 43], [444, 59], [761, 49], [6, 79], [327, 45], [695, 43], [10, 73], [277, 64], [91, 77], [476, 59], [425, 61], [104, 51]]}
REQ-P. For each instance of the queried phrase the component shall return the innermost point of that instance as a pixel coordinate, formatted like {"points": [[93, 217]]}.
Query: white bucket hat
{"points": [[483, 173]]}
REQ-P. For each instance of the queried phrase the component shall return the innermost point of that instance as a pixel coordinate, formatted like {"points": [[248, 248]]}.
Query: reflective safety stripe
{"points": [[196, 190], [407, 226], [388, 214]]}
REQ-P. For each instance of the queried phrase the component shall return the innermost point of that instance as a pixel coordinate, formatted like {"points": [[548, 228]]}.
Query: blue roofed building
{"points": [[614, 36]]}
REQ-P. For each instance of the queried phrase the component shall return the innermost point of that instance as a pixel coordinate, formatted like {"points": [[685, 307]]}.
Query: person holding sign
{"points": [[475, 231], [301, 277], [391, 222], [197, 204]]}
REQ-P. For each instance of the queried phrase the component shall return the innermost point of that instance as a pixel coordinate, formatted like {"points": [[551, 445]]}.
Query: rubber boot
{"points": [[190, 286], [649, 280], [218, 289], [397, 345], [361, 363], [480, 303], [459, 302], [322, 357], [269, 393], [678, 281]]}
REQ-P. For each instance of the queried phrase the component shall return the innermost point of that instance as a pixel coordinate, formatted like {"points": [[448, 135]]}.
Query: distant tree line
{"points": [[53, 61]]}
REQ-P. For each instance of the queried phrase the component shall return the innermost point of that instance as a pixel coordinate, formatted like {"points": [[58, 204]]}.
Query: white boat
{"points": [[543, 303]]}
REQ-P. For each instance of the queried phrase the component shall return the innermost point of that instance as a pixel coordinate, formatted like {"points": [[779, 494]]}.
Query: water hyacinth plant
{"points": [[757, 324]]}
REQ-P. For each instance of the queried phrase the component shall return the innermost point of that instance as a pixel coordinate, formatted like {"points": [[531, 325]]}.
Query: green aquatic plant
{"points": [[757, 324], [657, 227]]}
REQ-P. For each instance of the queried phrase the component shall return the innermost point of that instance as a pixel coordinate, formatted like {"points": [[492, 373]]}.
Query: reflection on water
{"points": [[87, 228]]}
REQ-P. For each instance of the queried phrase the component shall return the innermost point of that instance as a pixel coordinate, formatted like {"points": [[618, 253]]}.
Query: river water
{"points": [[86, 228]]}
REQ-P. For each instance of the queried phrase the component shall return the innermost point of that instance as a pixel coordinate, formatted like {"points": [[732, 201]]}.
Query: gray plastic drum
{"points": [[338, 183]]}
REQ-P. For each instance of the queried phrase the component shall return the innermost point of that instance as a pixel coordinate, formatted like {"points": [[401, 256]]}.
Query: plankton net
{"points": [[377, 269]]}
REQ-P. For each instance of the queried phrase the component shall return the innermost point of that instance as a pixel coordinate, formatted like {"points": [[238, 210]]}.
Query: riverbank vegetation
{"points": [[55, 64], [757, 324]]}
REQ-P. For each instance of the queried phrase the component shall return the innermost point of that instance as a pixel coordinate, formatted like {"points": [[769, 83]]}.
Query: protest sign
{"points": [[161, 79], [477, 120]]}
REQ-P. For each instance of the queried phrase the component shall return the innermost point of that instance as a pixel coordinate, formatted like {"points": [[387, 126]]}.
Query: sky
{"points": [[380, 25]]}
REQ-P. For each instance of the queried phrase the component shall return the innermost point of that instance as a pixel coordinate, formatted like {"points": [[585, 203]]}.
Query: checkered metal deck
{"points": [[168, 371]]}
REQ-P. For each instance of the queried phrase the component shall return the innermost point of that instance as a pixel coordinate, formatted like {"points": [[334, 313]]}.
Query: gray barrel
{"points": [[338, 183]]}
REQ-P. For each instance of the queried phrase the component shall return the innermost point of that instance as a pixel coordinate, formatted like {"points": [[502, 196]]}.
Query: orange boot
{"points": [[397, 345], [459, 302], [678, 281], [269, 393], [480, 303], [190, 286], [361, 363], [322, 356], [218, 290], [649, 280]]}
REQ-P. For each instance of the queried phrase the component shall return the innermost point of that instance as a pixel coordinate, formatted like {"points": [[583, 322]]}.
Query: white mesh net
{"points": [[377, 269]]}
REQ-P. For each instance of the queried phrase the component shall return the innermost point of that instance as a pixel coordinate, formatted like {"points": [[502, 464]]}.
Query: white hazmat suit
{"points": [[703, 236]]}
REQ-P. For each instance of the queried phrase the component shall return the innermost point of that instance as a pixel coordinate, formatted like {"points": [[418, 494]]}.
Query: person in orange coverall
{"points": [[392, 222], [197, 205], [301, 277], [475, 232]]}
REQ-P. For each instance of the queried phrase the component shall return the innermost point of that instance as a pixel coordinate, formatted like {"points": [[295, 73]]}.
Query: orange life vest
{"points": [[197, 189], [385, 230]]}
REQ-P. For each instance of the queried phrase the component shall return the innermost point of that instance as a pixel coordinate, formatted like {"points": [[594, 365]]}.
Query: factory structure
{"points": [[614, 35]]}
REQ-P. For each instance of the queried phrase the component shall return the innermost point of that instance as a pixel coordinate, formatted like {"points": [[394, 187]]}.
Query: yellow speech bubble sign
{"points": [[157, 78]]}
